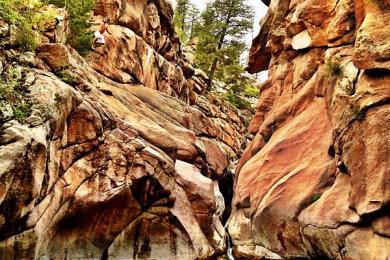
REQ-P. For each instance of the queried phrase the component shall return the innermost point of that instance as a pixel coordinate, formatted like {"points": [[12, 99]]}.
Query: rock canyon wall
{"points": [[126, 157], [315, 181], [122, 155]]}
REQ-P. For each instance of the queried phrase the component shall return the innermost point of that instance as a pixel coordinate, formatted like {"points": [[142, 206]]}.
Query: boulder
{"points": [[372, 46], [55, 55]]}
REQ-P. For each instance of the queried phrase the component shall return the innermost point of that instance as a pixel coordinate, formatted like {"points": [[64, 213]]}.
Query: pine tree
{"points": [[221, 35], [80, 12], [186, 18]]}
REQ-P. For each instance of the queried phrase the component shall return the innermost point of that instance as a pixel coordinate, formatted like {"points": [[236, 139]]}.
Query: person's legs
{"points": [[94, 43]]}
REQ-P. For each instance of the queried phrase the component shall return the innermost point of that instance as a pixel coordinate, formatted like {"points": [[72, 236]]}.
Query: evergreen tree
{"points": [[221, 36], [193, 21], [186, 18], [80, 12]]}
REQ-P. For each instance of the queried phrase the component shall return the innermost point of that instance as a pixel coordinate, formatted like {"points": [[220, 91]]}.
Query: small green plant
{"points": [[21, 111], [8, 85], [14, 94], [333, 67], [58, 98], [315, 197], [67, 77], [347, 88], [360, 115]]}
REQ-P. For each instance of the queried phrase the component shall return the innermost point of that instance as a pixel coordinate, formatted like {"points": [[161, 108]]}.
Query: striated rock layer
{"points": [[315, 181], [122, 155]]}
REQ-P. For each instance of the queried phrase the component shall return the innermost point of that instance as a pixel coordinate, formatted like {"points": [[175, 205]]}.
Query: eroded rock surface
{"points": [[314, 182], [122, 154]]}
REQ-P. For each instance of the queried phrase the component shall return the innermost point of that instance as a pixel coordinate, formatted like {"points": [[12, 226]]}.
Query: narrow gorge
{"points": [[127, 155]]}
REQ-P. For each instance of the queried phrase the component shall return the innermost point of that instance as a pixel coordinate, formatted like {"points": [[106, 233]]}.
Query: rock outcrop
{"points": [[314, 182], [122, 154]]}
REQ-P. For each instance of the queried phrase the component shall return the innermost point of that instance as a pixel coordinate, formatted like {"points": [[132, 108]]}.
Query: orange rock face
{"points": [[314, 182], [122, 155], [372, 39]]}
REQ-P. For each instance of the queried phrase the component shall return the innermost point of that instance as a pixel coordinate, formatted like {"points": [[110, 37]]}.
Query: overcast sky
{"points": [[260, 11]]}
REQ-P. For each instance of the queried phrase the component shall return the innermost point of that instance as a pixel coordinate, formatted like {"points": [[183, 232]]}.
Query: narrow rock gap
{"points": [[226, 186]]}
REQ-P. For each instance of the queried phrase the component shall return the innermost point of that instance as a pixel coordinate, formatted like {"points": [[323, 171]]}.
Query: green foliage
{"points": [[239, 85], [315, 197], [220, 31], [186, 18], [9, 82], [360, 115], [221, 42], [14, 94], [67, 77], [333, 68], [82, 42], [22, 111], [26, 16], [237, 101], [221, 35], [251, 91], [347, 88], [80, 12], [58, 98]]}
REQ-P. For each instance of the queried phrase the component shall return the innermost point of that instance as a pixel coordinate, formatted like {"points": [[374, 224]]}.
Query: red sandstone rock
{"points": [[314, 180], [116, 169], [372, 39]]}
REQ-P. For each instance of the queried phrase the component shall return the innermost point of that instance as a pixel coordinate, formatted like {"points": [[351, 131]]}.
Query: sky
{"points": [[260, 11], [258, 6]]}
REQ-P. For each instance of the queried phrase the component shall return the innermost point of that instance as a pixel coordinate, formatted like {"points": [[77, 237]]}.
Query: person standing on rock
{"points": [[99, 37]]}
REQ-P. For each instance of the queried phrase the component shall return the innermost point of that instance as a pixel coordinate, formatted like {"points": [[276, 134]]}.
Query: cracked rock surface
{"points": [[123, 152], [314, 182]]}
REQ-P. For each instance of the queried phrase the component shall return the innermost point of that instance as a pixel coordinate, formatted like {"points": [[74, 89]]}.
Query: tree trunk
{"points": [[215, 62], [212, 71]]}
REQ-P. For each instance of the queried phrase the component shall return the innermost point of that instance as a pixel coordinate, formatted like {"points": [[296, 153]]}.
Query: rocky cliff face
{"points": [[122, 155], [315, 181]]}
